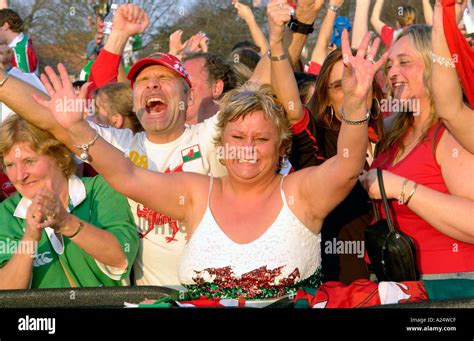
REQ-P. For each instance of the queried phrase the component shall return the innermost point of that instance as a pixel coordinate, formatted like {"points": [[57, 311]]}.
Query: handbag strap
{"points": [[385, 201], [68, 276]]}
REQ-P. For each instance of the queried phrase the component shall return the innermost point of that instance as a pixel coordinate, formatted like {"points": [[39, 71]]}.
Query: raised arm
{"points": [[447, 90], [128, 20], [283, 79], [320, 51], [258, 37], [427, 12], [18, 95], [170, 194], [338, 175], [375, 18], [361, 18]]}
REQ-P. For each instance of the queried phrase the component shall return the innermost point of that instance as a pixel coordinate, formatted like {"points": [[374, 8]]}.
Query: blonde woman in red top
{"points": [[427, 173]]}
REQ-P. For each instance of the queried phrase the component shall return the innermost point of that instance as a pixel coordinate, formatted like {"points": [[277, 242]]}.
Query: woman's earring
{"points": [[332, 114], [282, 162], [378, 110]]}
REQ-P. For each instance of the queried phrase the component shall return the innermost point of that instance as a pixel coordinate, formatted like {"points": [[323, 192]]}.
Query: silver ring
{"points": [[370, 59]]}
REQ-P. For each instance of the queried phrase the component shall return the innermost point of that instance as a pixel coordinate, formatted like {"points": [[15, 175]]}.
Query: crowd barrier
{"points": [[114, 297]]}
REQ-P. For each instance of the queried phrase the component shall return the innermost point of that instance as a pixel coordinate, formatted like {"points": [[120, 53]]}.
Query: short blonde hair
{"points": [[247, 99], [16, 130]]}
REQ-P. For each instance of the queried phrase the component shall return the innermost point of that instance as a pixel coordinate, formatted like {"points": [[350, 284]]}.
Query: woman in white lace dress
{"points": [[251, 234]]}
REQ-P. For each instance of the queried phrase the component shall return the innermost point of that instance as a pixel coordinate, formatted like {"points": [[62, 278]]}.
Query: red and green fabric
{"points": [[24, 55], [364, 293], [459, 47]]}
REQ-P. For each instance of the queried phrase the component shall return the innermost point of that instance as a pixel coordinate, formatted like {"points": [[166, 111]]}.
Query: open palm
{"points": [[66, 107], [359, 70]]}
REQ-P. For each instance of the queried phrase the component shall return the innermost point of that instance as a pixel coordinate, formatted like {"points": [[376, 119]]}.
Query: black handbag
{"points": [[391, 252]]}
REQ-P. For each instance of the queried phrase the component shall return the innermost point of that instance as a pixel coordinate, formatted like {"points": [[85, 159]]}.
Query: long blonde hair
{"points": [[420, 35]]}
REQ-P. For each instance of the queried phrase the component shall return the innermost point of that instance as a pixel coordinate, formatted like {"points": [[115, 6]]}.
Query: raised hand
{"points": [[315, 5], [278, 13], [130, 19], [64, 105], [193, 44], [359, 70], [204, 44], [243, 11], [175, 44]]}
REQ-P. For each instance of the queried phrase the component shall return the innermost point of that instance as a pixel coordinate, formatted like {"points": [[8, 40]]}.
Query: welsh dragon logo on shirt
{"points": [[191, 153]]}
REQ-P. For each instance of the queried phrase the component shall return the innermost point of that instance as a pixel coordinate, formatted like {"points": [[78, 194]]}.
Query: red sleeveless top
{"points": [[436, 252]]}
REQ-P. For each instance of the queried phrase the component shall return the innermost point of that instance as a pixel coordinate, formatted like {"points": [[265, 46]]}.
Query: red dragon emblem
{"points": [[154, 218]]}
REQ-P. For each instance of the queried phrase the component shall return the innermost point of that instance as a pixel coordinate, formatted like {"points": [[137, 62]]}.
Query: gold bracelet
{"points": [[79, 228], [411, 193], [401, 197], [276, 58]]}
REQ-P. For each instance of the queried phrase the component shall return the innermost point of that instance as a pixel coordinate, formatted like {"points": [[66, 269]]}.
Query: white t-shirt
{"points": [[30, 78], [194, 151]]}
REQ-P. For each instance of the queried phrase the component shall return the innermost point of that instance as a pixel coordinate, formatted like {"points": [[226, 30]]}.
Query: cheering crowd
{"points": [[244, 176]]}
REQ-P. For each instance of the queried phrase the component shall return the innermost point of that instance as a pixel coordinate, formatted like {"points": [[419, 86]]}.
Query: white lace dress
{"points": [[286, 257]]}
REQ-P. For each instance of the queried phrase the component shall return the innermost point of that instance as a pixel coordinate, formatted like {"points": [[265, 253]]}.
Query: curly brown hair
{"points": [[12, 18]]}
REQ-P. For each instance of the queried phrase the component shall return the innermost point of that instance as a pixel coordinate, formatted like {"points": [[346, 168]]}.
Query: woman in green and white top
{"points": [[58, 230]]}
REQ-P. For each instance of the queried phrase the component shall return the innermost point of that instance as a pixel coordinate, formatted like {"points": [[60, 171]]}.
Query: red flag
{"points": [[459, 47]]}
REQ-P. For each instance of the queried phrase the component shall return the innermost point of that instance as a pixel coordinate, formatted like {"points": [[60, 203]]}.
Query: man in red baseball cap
{"points": [[158, 58], [161, 96]]}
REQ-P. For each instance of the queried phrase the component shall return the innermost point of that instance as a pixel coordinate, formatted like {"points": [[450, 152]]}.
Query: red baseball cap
{"points": [[167, 60]]}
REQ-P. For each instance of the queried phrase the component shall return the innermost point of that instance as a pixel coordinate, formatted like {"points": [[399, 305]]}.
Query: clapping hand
{"points": [[49, 210]]}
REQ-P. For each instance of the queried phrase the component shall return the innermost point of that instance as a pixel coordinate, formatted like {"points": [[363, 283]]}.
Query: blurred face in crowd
{"points": [[335, 93], [29, 171], [102, 115], [204, 93], [160, 101], [252, 132], [5, 56], [405, 70]]}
